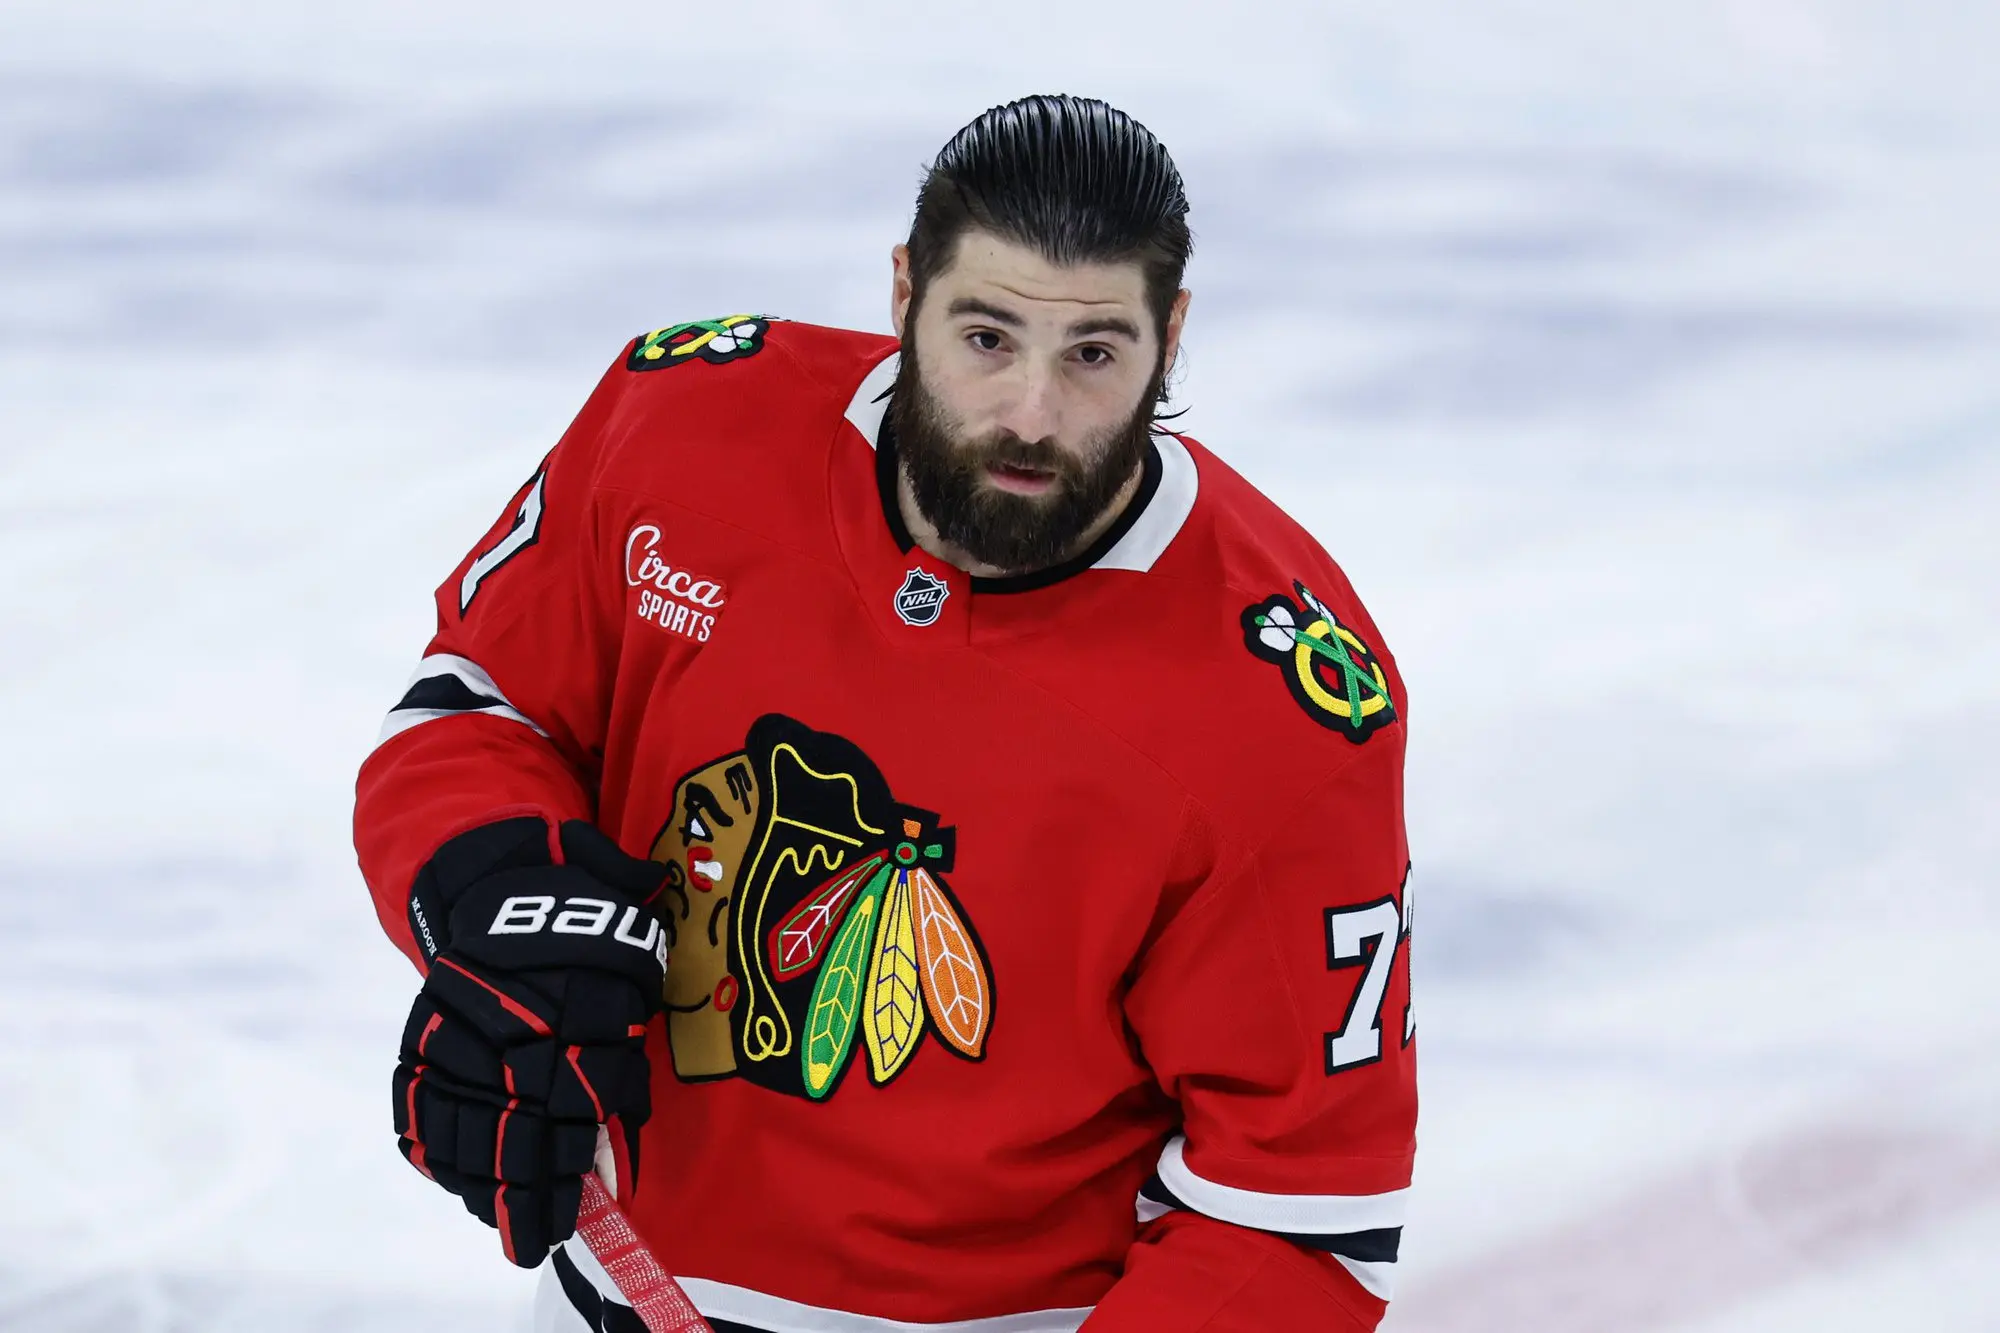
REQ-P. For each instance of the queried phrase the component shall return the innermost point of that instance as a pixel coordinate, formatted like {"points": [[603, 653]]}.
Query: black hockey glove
{"points": [[529, 1032]]}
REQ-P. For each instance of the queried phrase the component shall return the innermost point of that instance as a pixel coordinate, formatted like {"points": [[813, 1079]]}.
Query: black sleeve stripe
{"points": [[1368, 1247], [446, 694], [446, 685], [1156, 1190], [1378, 1246]]}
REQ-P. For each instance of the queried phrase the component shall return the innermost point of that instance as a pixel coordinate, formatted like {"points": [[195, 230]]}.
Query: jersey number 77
{"points": [[1368, 936]]}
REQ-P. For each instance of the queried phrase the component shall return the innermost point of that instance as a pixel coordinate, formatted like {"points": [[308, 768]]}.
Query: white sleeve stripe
{"points": [[1297, 1214], [403, 719], [1377, 1279], [466, 672]]}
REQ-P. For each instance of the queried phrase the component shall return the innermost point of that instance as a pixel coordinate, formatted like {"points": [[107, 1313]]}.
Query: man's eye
{"points": [[1093, 355], [986, 340], [695, 828]]}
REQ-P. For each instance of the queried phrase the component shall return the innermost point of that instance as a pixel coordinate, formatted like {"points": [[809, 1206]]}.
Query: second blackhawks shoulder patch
{"points": [[1332, 674], [730, 338]]}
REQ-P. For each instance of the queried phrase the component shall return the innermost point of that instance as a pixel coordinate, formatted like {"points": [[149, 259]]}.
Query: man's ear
{"points": [[900, 288], [1176, 320]]}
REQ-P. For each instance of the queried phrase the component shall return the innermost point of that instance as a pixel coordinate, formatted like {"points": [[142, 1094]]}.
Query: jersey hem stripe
{"points": [[720, 1300]]}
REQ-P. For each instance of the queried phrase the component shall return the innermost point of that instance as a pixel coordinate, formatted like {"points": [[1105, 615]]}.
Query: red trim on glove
{"points": [[535, 1024], [596, 1103]]}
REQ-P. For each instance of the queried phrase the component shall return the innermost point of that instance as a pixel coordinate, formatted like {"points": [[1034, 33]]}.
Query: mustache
{"points": [[1010, 450]]}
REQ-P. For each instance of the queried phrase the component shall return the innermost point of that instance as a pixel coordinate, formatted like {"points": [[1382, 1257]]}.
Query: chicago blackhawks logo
{"points": [[1329, 670], [808, 916], [920, 601], [712, 340]]}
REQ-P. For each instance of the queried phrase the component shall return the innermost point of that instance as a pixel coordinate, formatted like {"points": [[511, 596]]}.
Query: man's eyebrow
{"points": [[1084, 328], [972, 305]]}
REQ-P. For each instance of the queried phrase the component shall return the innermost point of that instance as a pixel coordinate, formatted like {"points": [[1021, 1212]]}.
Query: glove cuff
{"points": [[463, 860]]}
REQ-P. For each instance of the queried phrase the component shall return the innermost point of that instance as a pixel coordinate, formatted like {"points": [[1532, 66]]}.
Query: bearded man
{"points": [[929, 837]]}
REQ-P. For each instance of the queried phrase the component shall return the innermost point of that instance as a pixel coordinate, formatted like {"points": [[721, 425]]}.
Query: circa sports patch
{"points": [[730, 338], [811, 927], [1332, 674]]}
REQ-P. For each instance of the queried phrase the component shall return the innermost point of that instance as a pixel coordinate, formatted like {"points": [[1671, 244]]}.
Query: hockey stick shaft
{"points": [[657, 1299]]}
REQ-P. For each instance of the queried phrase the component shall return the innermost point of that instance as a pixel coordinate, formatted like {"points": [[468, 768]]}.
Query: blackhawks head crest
{"points": [[808, 916], [1329, 670], [712, 340]]}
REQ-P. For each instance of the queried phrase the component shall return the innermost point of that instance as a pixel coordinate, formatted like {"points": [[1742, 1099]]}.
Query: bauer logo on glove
{"points": [[526, 914]]}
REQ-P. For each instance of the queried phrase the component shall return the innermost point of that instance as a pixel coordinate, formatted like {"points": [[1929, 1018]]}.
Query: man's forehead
{"points": [[1016, 277]]}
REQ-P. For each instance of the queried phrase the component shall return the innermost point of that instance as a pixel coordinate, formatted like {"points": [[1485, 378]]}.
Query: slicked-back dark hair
{"points": [[1071, 177]]}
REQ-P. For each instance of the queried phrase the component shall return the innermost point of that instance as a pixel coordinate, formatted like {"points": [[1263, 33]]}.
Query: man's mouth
{"points": [[1020, 479]]}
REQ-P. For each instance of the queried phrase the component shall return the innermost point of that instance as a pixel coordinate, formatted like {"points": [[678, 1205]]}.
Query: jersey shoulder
{"points": [[1292, 675], [767, 349], [732, 406], [1242, 539], [1239, 543]]}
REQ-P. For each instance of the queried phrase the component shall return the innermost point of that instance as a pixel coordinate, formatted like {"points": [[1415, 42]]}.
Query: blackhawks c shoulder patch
{"points": [[1331, 673], [715, 341]]}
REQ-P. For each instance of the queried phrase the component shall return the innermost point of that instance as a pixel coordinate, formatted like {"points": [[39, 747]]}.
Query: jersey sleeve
{"points": [[1275, 1010], [505, 714]]}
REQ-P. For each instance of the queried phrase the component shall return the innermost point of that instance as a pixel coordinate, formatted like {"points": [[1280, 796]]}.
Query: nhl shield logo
{"points": [[920, 601]]}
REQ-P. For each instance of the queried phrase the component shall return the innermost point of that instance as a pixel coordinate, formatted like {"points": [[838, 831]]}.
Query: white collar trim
{"points": [[1147, 540], [1166, 514], [871, 400]]}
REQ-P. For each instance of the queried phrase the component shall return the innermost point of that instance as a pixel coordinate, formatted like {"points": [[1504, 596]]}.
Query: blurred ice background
{"points": [[1640, 361]]}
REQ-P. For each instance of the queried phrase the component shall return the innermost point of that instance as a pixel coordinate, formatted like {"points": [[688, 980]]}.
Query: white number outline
{"points": [[525, 532], [1409, 961], [1366, 925]]}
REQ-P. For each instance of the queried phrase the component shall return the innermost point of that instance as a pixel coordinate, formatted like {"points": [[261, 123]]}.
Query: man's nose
{"points": [[1034, 410]]}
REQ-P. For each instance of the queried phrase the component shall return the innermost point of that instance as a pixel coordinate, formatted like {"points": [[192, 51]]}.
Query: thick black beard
{"points": [[1019, 534]]}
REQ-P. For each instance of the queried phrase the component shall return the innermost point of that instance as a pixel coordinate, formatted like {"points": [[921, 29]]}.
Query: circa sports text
{"points": [[674, 599]]}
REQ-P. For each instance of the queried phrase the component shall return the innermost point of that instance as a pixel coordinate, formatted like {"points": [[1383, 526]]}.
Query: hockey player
{"points": [[929, 835]]}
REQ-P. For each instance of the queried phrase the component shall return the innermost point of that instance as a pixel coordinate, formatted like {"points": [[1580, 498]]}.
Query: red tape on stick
{"points": [[659, 1301]]}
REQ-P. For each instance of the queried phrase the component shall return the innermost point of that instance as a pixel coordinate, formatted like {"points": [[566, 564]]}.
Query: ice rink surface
{"points": [[1640, 363]]}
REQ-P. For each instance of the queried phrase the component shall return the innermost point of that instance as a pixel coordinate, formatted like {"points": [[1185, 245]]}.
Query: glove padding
{"points": [[530, 1030]]}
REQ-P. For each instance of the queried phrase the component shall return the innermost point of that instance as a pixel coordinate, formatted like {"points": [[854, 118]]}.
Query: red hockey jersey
{"points": [[1039, 945]]}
